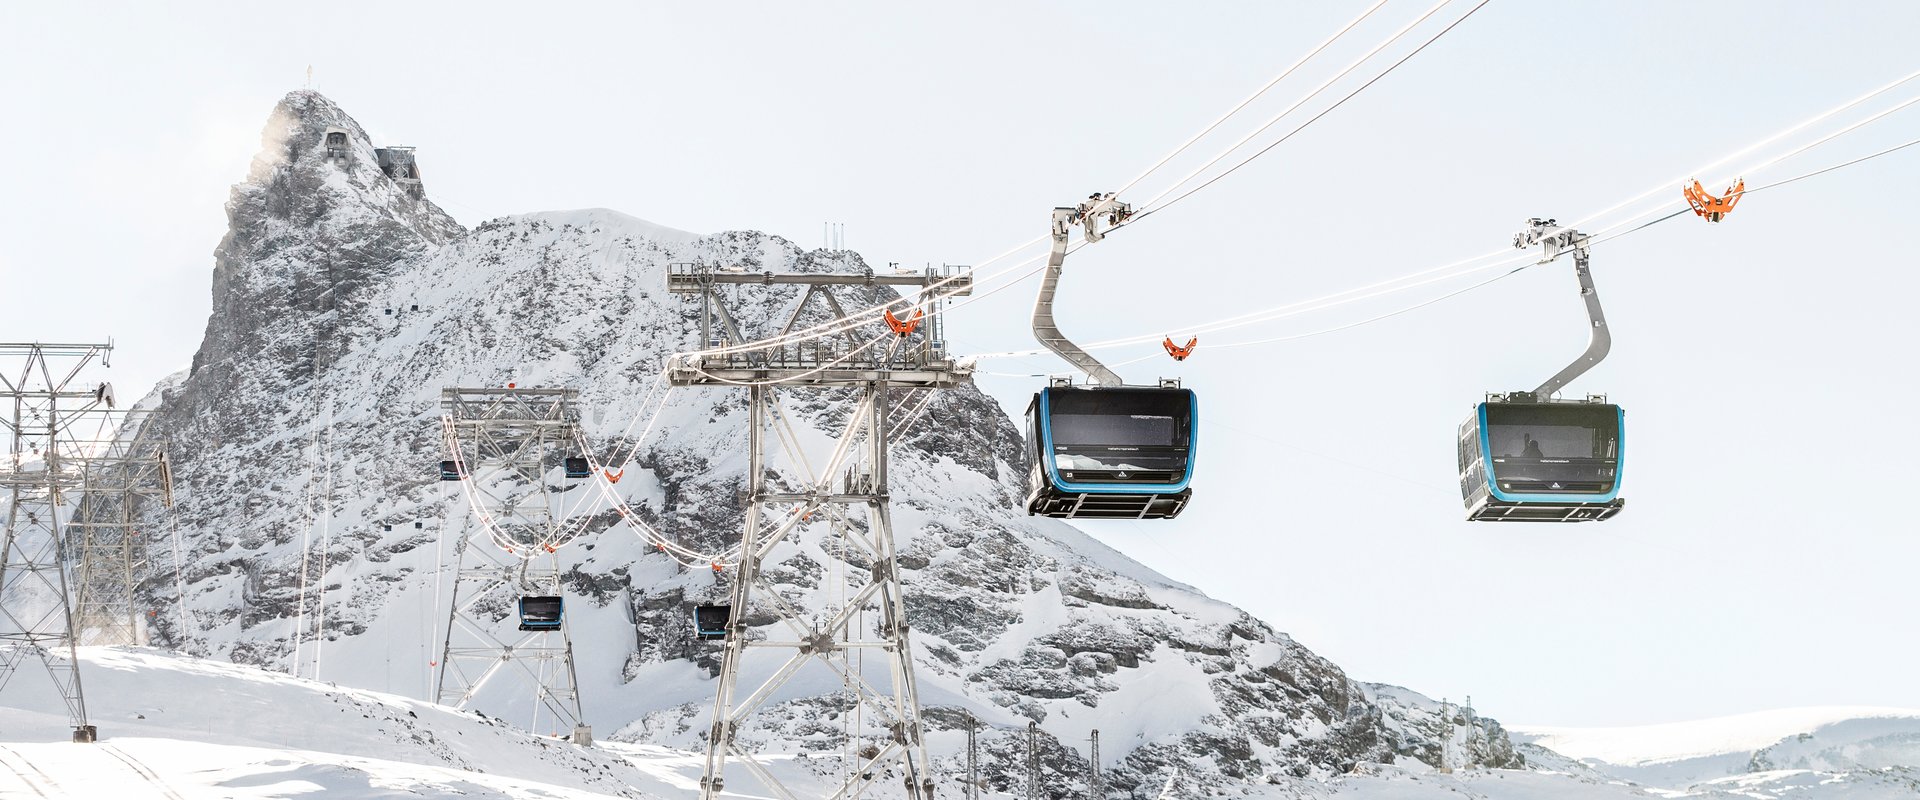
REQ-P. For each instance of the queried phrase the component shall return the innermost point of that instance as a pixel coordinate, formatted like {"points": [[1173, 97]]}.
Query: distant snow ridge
{"points": [[1834, 740], [343, 304]]}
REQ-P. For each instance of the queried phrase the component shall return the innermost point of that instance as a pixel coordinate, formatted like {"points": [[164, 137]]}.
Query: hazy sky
{"points": [[1768, 554]]}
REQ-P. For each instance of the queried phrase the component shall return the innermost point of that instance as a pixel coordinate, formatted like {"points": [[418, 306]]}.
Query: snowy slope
{"points": [[1838, 743], [179, 727], [1738, 734]]}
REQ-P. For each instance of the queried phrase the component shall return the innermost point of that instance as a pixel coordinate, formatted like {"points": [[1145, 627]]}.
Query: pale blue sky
{"points": [[1765, 558]]}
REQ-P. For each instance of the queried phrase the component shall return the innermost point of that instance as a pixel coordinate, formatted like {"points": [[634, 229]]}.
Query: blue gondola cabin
{"points": [[710, 622], [541, 613], [1528, 461], [1125, 452]]}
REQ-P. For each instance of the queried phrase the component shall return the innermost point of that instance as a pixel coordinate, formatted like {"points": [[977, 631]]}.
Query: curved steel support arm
{"points": [[1044, 328], [1599, 341]]}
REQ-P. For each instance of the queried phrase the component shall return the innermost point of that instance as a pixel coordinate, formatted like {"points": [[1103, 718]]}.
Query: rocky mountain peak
{"points": [[306, 436]]}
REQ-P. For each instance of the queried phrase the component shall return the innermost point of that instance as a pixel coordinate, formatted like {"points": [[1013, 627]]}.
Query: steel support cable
{"points": [[1250, 98], [867, 316], [1218, 324], [1402, 282], [1666, 186], [1831, 136], [492, 525], [1146, 210], [1598, 239], [872, 314], [1147, 207], [620, 506], [1825, 170], [1295, 308], [913, 416]]}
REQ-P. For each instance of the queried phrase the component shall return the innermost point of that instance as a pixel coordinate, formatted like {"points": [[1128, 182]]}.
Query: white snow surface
{"points": [[1675, 741], [275, 736]]}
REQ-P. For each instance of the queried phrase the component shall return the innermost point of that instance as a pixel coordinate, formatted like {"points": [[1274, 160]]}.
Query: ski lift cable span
{"points": [[1343, 31], [1505, 258], [1598, 239], [1223, 324], [1149, 208], [1601, 236], [667, 545], [1308, 97], [830, 329], [866, 316]]}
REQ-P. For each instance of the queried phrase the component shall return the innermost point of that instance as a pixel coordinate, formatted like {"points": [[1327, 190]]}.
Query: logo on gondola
{"points": [[1555, 486], [1121, 475]]}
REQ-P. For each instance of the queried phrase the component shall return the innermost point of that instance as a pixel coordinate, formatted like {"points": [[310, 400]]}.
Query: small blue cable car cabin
{"points": [[1528, 461], [577, 468], [450, 471], [1124, 452], [710, 622], [1531, 457], [541, 613]]}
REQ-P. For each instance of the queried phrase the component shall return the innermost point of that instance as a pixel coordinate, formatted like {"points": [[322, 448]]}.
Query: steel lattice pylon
{"points": [[40, 384], [834, 637], [507, 445], [123, 476]]}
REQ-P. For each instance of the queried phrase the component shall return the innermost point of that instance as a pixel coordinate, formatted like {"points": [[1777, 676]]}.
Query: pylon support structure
{"points": [[866, 372], [46, 402], [126, 475], [509, 447]]}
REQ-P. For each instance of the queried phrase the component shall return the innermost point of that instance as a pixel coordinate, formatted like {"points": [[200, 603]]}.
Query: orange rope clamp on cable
{"points": [[904, 327], [1180, 352], [1709, 206]]}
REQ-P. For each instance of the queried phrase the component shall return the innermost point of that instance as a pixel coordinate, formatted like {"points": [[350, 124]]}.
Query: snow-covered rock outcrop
{"points": [[343, 304]]}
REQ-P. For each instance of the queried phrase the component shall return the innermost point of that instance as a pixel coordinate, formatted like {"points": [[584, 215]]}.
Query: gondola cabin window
{"points": [[1553, 447]]}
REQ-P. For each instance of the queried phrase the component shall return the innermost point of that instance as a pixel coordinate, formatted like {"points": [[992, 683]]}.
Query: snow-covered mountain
{"points": [[344, 301], [1732, 751]]}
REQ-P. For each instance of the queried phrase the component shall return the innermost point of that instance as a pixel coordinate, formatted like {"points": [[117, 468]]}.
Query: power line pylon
{"points": [[123, 477], [40, 383], [508, 449], [911, 357]]}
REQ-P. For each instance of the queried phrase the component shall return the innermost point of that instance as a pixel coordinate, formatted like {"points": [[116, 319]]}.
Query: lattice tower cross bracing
{"points": [[864, 373], [506, 445], [45, 399], [127, 485]]}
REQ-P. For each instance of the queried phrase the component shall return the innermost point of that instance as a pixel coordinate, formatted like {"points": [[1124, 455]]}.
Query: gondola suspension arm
{"points": [[1554, 240], [1089, 215]]}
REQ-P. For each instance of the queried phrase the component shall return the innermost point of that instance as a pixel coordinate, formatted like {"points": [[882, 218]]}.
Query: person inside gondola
{"points": [[1533, 447]]}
